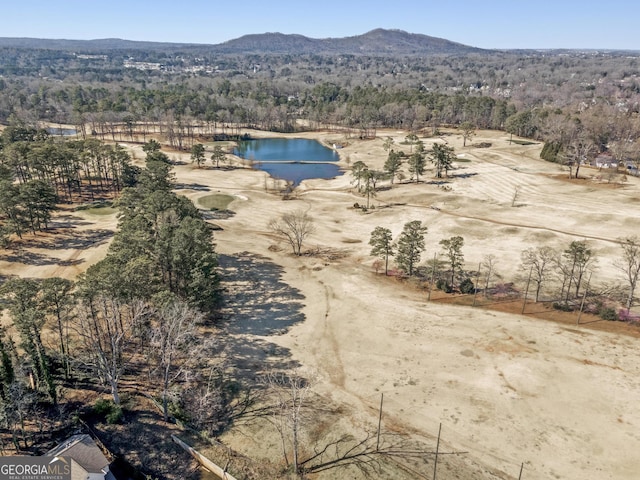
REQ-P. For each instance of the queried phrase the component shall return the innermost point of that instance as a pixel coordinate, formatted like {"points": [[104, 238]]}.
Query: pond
{"points": [[65, 132], [291, 159]]}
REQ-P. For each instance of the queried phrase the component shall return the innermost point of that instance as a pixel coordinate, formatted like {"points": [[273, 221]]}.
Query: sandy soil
{"points": [[508, 389]]}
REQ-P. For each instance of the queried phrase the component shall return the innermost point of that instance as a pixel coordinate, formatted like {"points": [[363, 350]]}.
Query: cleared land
{"points": [[507, 388]]}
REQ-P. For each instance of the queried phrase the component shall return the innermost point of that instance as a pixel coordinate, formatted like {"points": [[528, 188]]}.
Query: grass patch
{"points": [[99, 207], [523, 142], [216, 201], [101, 211]]}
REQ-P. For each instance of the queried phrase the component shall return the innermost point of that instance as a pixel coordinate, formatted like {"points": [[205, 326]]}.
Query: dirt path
{"points": [[522, 225]]}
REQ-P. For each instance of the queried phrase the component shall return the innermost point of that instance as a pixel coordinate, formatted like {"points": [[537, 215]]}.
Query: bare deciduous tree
{"points": [[539, 261], [174, 344], [629, 264], [106, 328], [468, 131], [579, 149], [290, 393], [294, 227], [573, 264], [489, 263]]}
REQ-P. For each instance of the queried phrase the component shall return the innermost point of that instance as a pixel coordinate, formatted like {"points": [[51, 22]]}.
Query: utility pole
{"points": [[433, 274], [526, 292], [584, 296], [379, 422], [475, 290], [435, 462]]}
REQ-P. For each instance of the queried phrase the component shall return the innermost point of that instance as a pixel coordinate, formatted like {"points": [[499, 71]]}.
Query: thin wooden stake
{"points": [[475, 291], [379, 421], [435, 463], [526, 292], [584, 296], [521, 468], [433, 274]]}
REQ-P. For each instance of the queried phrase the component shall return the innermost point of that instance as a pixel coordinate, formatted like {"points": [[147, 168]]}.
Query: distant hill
{"points": [[375, 42], [379, 42], [87, 45]]}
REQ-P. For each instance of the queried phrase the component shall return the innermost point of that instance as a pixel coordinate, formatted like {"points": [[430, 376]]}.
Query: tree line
{"points": [[579, 105], [38, 171], [140, 307], [366, 179], [569, 269]]}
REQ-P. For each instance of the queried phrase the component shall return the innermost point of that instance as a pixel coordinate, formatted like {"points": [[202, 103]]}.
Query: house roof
{"points": [[84, 451]]}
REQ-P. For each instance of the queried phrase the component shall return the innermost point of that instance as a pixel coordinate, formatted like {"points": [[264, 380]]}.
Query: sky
{"points": [[613, 24]]}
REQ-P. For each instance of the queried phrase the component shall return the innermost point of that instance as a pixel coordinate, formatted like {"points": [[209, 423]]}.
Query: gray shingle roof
{"points": [[84, 451]]}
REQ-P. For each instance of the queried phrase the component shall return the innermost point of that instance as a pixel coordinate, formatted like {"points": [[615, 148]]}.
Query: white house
{"points": [[606, 161]]}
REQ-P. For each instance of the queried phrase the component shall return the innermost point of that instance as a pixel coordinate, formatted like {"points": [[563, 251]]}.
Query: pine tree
{"points": [[381, 241], [410, 246]]}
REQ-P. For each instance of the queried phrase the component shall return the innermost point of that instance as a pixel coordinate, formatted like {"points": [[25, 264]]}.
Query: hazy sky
{"points": [[612, 24]]}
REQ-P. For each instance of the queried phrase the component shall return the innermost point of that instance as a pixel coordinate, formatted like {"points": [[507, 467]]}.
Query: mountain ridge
{"points": [[378, 41], [375, 42]]}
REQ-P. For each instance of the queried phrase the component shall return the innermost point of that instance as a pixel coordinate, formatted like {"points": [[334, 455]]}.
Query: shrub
{"points": [[625, 316], [444, 286], [467, 286], [608, 313], [551, 152], [103, 406], [177, 411], [563, 307], [115, 415], [112, 413]]}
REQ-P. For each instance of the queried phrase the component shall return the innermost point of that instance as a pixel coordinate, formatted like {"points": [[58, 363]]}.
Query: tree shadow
{"points": [[61, 240], [257, 304], [257, 301], [73, 240], [66, 221], [253, 357], [33, 258], [437, 182], [216, 214], [464, 175], [191, 186]]}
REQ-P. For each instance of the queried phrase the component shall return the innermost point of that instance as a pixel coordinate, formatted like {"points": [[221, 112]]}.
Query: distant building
{"points": [[142, 65], [87, 460], [605, 161]]}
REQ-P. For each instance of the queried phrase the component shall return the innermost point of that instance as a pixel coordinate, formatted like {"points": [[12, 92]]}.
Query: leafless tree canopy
{"points": [[295, 227], [629, 264], [107, 329]]}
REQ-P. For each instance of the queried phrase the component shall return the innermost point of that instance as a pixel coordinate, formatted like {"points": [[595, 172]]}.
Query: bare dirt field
{"points": [[508, 389]]}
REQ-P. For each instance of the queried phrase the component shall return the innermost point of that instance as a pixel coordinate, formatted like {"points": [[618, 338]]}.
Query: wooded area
{"points": [[584, 103], [149, 308]]}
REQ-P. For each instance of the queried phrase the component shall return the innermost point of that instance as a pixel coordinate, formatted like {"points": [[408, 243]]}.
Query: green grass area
{"points": [[99, 207], [524, 142], [216, 201], [101, 211]]}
